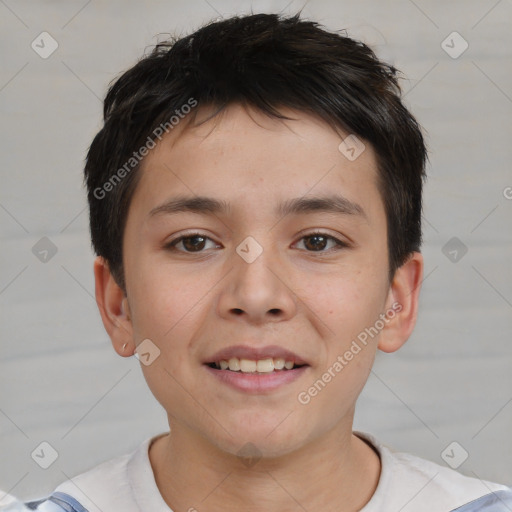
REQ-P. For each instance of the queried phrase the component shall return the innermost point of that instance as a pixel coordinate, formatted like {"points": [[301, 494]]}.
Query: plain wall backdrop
{"points": [[60, 380]]}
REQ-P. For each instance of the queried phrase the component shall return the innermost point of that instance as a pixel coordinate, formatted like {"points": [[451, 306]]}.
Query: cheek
{"points": [[347, 300], [165, 299], [354, 304], [167, 307]]}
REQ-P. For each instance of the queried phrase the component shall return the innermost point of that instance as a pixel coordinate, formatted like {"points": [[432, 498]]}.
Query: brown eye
{"points": [[317, 242], [194, 243], [190, 243]]}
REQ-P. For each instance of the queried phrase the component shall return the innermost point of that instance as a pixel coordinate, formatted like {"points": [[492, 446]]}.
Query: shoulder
{"points": [[410, 483], [123, 483], [106, 486], [497, 501]]}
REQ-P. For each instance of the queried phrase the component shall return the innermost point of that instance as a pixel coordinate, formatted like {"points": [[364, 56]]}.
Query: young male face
{"points": [[306, 296]]}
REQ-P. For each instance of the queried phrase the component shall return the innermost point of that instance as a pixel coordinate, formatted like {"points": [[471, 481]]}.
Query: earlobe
{"points": [[114, 308], [403, 298]]}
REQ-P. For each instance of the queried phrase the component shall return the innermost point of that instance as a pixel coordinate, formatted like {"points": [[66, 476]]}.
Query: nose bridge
{"points": [[255, 267], [257, 284]]}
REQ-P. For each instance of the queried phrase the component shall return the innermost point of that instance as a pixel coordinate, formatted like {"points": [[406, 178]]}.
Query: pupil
{"points": [[188, 245], [316, 237]]}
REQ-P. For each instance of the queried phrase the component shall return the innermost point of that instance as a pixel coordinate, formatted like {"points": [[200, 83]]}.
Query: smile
{"points": [[249, 380], [267, 365]]}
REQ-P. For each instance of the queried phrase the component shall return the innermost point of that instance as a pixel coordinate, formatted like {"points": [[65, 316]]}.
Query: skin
{"points": [[311, 299]]}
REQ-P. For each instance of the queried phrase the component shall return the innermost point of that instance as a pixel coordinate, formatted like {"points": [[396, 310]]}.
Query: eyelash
{"points": [[339, 243]]}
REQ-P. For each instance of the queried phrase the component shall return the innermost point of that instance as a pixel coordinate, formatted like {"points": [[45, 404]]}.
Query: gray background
{"points": [[61, 381]]}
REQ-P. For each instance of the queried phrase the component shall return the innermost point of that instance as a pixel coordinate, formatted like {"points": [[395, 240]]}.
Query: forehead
{"points": [[248, 160]]}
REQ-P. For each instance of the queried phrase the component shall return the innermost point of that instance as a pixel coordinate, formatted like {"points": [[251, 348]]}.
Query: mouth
{"points": [[256, 370], [263, 366]]}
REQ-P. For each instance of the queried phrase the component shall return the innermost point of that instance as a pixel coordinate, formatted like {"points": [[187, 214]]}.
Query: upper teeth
{"points": [[251, 366]]}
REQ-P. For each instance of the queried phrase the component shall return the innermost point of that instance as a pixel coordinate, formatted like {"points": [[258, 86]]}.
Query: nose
{"points": [[257, 291]]}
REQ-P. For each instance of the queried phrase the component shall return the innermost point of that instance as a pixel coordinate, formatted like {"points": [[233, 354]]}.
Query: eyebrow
{"points": [[207, 205]]}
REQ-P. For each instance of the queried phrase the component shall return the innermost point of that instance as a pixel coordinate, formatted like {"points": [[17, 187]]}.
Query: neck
{"points": [[339, 472]]}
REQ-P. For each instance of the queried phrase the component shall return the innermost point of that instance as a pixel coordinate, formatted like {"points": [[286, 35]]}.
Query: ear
{"points": [[402, 300], [114, 309]]}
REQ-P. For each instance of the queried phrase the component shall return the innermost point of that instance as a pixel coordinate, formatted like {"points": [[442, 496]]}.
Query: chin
{"points": [[254, 436]]}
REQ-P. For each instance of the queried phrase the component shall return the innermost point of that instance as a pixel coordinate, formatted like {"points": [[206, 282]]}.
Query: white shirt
{"points": [[407, 484]]}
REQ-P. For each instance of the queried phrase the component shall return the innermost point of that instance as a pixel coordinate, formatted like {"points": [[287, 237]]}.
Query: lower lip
{"points": [[257, 382]]}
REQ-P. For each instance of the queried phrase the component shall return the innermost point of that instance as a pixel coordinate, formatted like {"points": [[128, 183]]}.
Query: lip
{"points": [[255, 354], [256, 383]]}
